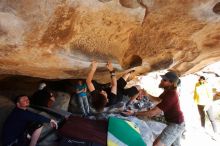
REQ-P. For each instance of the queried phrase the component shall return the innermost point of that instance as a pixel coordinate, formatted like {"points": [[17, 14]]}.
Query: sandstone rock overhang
{"points": [[58, 39]]}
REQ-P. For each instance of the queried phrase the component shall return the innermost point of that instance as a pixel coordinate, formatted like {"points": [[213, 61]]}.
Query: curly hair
{"points": [[201, 78]]}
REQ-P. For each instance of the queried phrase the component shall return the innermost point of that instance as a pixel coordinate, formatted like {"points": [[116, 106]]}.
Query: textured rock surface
{"points": [[6, 107], [57, 39]]}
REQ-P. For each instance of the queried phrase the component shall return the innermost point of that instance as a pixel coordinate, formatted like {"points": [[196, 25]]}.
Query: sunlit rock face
{"points": [[58, 39]]}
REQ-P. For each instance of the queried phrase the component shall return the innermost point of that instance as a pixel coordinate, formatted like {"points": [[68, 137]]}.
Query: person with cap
{"points": [[168, 103], [203, 97]]}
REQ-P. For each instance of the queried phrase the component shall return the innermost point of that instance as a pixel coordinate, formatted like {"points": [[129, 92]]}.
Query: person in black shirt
{"points": [[111, 95], [43, 96], [16, 125]]}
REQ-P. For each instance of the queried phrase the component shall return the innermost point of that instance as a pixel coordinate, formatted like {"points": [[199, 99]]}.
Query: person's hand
{"points": [[128, 112], [109, 66], [94, 65], [53, 124]]}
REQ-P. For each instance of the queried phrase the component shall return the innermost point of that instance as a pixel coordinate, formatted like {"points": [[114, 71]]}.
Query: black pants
{"points": [[210, 117]]}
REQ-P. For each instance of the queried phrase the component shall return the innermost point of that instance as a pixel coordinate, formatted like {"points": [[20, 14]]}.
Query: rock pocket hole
{"points": [[129, 3], [216, 8], [135, 60]]}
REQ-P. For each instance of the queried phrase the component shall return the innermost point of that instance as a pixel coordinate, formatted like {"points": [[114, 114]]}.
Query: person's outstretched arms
{"points": [[113, 77], [150, 113], [90, 76]]}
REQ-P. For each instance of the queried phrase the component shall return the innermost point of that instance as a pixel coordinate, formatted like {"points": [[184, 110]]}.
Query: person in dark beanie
{"points": [[168, 103], [43, 96], [17, 129]]}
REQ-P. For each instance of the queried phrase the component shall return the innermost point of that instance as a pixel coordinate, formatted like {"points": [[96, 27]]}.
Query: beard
{"points": [[161, 85]]}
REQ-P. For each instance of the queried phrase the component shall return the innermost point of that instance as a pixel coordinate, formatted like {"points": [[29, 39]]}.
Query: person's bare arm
{"points": [[90, 76], [113, 77], [150, 113]]}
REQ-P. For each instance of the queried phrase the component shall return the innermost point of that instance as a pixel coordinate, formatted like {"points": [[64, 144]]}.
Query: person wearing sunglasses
{"points": [[168, 103]]}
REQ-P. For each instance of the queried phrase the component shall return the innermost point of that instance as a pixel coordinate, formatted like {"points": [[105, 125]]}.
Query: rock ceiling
{"points": [[57, 39]]}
